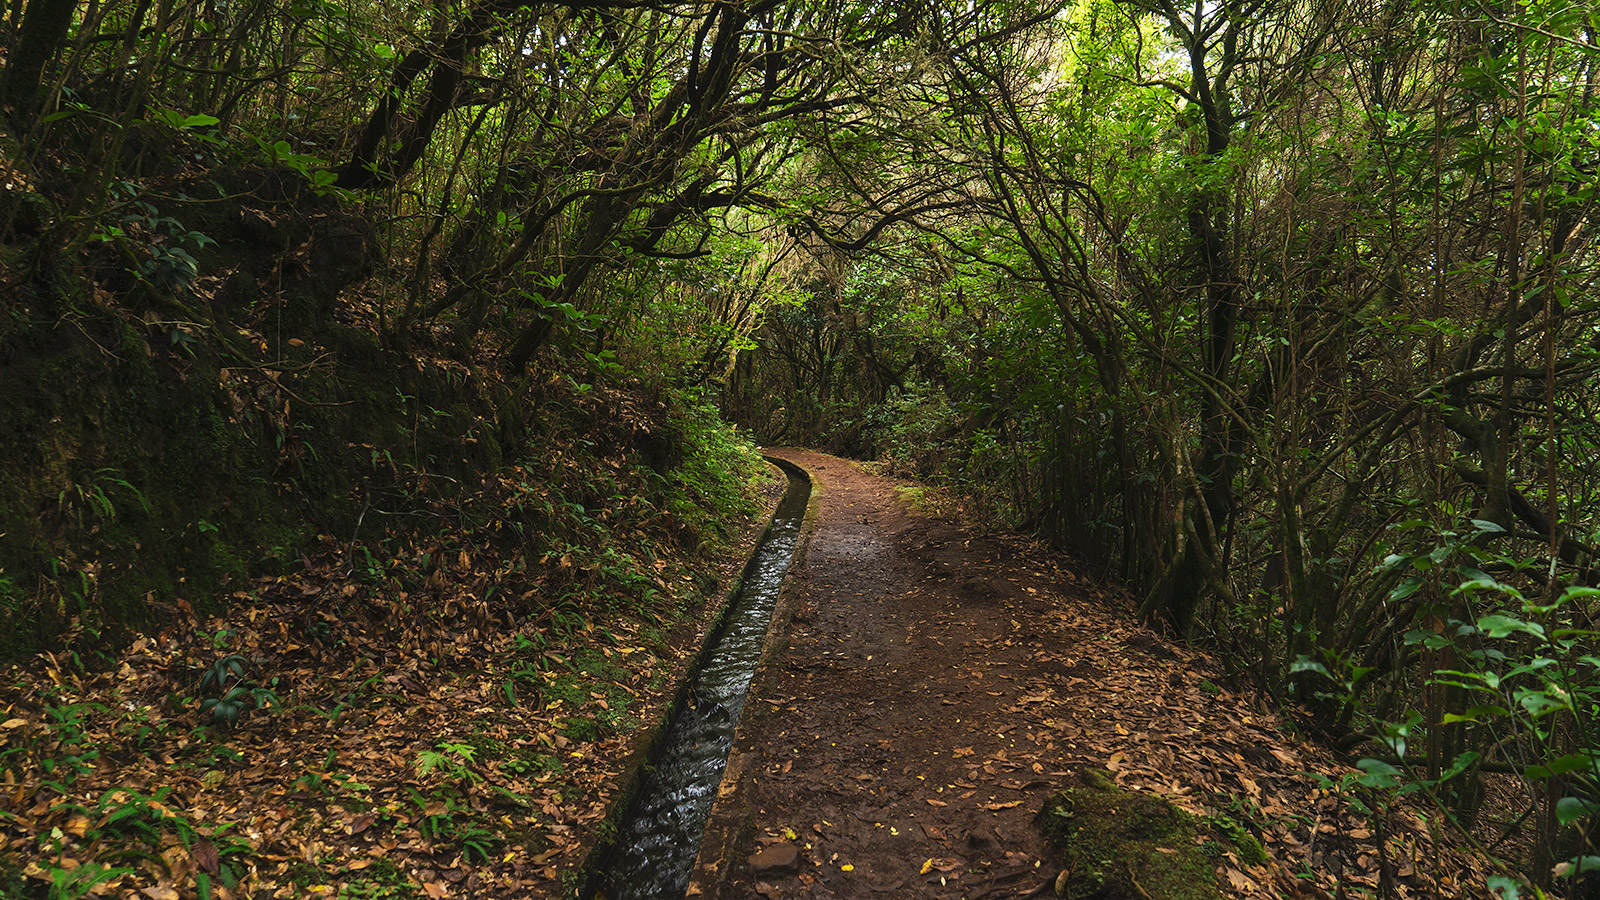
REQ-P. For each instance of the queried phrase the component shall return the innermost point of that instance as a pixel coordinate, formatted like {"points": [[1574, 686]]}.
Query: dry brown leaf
{"points": [[206, 857], [1238, 880]]}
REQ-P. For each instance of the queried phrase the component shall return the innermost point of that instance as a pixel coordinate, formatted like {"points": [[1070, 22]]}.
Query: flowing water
{"points": [[657, 844]]}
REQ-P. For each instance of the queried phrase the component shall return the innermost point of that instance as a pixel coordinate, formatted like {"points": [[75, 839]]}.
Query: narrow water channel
{"points": [[657, 844]]}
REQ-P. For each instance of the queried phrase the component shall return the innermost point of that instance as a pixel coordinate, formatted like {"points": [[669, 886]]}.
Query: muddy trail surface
{"points": [[932, 686]]}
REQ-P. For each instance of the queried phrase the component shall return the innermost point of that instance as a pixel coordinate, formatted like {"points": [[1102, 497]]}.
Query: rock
{"points": [[1126, 844], [1099, 779], [778, 859], [978, 587]]}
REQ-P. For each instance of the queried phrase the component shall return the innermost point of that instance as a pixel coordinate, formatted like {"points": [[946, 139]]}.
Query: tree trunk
{"points": [[44, 31]]}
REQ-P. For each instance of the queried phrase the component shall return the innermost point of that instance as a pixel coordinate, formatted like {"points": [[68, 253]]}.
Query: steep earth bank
{"points": [[383, 744]]}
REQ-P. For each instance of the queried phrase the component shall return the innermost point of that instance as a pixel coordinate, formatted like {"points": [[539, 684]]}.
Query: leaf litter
{"points": [[412, 735]]}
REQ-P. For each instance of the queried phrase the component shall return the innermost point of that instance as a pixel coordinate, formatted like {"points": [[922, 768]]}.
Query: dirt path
{"points": [[936, 686]]}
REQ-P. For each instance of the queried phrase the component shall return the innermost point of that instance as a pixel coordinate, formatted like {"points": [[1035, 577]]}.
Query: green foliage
{"points": [[158, 248], [312, 168], [452, 760], [718, 472], [232, 692], [333, 785], [91, 497], [80, 881], [1240, 825], [445, 819], [180, 122], [916, 427], [382, 880], [379, 879], [70, 752], [140, 817], [1516, 670], [139, 825]]}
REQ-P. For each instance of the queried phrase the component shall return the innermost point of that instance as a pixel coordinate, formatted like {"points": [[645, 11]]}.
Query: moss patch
{"points": [[1118, 845]]}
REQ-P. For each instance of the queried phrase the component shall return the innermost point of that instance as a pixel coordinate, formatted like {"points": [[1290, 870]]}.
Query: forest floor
{"points": [[936, 684], [386, 747]]}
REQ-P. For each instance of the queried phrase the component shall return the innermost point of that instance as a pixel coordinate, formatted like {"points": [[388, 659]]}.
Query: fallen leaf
{"points": [[995, 806], [206, 857]]}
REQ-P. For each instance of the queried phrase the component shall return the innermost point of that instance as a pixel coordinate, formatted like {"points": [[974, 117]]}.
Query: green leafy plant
{"points": [[80, 881], [1532, 680], [136, 824], [72, 754], [382, 880], [313, 168], [157, 249], [232, 694], [453, 760], [1240, 823], [448, 820], [1518, 673], [177, 121], [140, 817], [91, 496]]}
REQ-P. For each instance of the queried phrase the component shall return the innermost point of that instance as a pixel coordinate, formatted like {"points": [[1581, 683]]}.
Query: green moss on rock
{"points": [[1245, 844], [1118, 845]]}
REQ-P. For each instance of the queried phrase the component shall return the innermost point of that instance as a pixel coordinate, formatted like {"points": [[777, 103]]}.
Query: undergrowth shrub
{"points": [[718, 471], [912, 429]]}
